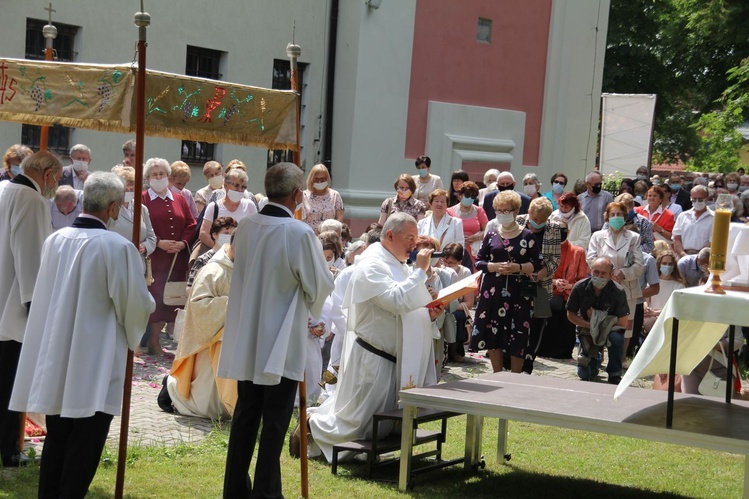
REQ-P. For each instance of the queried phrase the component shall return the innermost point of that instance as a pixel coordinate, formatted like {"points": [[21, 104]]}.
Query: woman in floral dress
{"points": [[508, 256]]}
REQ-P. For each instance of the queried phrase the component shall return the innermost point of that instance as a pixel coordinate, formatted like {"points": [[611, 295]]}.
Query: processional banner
{"points": [[102, 97]]}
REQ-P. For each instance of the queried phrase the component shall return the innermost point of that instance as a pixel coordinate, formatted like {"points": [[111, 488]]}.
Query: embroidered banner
{"points": [[102, 97]]}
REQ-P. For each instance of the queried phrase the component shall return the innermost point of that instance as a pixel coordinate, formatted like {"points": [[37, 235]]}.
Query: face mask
{"points": [[567, 215], [656, 182], [616, 223], [732, 186], [423, 172], [466, 201], [235, 196], [404, 194], [557, 188], [159, 184], [535, 225], [596, 189], [80, 165], [631, 214], [216, 182], [129, 196], [506, 219], [501, 188], [675, 187], [667, 269], [599, 282], [16, 170], [698, 205], [642, 177], [320, 185], [223, 239], [47, 192], [743, 188], [530, 190]]}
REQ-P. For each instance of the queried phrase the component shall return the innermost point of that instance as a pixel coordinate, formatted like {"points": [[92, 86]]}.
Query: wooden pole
{"points": [[294, 51], [142, 21], [50, 33]]}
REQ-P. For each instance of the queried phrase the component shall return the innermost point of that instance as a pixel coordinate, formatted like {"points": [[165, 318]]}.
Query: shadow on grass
{"points": [[513, 483]]}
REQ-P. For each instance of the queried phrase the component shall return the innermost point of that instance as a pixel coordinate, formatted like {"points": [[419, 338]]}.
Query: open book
{"points": [[455, 291]]}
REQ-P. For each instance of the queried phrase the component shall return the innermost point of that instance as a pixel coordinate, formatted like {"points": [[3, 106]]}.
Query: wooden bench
{"points": [[377, 447]]}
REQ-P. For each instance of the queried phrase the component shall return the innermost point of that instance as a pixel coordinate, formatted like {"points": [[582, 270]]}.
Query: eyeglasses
{"points": [[559, 183], [238, 187], [696, 200], [504, 212], [596, 185]]}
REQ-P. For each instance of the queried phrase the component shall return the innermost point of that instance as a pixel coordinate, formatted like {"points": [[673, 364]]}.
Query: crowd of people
{"points": [[260, 301]]}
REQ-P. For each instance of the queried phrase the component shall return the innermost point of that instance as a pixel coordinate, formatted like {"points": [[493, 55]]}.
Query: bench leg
{"points": [[473, 440], [407, 439], [502, 455]]}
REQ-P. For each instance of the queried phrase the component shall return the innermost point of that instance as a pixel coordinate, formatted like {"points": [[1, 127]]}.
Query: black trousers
{"points": [[273, 406], [10, 422], [71, 454], [636, 339]]}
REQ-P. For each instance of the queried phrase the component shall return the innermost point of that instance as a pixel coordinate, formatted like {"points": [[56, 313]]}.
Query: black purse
{"points": [[528, 288]]}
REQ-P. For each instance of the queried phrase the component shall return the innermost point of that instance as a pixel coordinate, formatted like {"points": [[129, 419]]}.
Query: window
{"points": [[64, 50], [203, 63], [282, 81], [484, 33]]}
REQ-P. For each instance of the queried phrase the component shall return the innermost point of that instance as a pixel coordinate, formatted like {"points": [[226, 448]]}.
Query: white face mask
{"points": [[235, 196], [223, 239], [530, 189], [506, 219], [159, 184], [80, 165], [129, 196], [698, 205], [732, 186], [330, 262], [216, 182], [320, 185]]}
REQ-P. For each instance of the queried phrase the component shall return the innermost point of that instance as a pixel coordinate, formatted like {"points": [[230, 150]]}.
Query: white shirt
{"points": [[695, 232], [24, 225], [424, 189], [167, 195], [244, 210], [449, 230], [90, 306]]}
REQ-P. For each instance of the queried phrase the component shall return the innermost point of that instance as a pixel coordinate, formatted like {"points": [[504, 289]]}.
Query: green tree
{"points": [[680, 50]]}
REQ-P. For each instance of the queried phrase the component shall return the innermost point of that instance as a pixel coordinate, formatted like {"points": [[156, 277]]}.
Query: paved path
{"points": [[149, 425]]}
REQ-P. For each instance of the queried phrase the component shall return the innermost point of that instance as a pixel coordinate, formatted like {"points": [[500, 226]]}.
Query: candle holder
{"points": [[719, 244]]}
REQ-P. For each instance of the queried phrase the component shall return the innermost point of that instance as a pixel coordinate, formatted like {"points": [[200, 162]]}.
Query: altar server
{"points": [[24, 225], [280, 280], [89, 306]]}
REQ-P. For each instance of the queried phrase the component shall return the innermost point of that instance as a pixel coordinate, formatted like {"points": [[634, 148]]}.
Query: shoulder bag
{"points": [[175, 293]]}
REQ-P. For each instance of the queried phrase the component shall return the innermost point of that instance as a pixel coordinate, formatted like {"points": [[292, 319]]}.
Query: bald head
{"points": [[602, 267]]}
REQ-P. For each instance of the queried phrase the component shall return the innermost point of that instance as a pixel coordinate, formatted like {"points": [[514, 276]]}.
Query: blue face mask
{"points": [[535, 225], [423, 172], [466, 201], [557, 188], [616, 223], [667, 269], [16, 170], [631, 215], [675, 187]]}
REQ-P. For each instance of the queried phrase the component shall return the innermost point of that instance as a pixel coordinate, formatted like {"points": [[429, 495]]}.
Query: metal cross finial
{"points": [[50, 10], [293, 31]]}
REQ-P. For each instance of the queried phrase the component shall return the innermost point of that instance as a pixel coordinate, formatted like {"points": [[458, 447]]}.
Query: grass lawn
{"points": [[546, 462]]}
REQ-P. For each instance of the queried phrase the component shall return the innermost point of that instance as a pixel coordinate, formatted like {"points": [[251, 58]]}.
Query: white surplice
{"points": [[90, 305], [280, 279], [24, 225], [382, 291]]}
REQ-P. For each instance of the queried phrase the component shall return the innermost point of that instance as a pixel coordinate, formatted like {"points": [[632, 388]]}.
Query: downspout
{"points": [[329, 86]]}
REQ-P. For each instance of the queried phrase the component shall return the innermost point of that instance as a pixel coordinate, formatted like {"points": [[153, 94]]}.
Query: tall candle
{"points": [[719, 244]]}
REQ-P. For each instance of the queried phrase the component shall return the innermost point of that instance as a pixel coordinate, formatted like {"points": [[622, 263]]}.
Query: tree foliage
{"points": [[682, 51]]}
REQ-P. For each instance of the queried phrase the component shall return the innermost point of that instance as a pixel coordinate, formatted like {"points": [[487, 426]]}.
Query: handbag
{"points": [[528, 288], [541, 304], [712, 385], [175, 293]]}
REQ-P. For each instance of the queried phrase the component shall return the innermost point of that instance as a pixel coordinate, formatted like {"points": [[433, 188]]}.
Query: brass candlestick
{"points": [[719, 243]]}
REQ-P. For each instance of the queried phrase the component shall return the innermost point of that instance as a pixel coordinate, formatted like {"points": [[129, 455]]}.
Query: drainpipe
{"points": [[329, 86]]}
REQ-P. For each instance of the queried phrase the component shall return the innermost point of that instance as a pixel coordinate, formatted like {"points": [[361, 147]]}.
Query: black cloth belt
{"points": [[369, 348]]}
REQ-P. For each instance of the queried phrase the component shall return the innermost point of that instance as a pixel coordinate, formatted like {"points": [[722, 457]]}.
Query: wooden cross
{"points": [[50, 10]]}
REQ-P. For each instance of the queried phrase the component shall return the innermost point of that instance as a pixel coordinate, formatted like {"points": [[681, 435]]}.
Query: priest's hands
{"points": [[423, 258], [436, 311]]}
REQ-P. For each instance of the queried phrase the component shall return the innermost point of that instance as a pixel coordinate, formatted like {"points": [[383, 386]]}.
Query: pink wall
{"points": [[449, 65]]}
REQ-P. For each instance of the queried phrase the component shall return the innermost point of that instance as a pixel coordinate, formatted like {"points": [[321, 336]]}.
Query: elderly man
{"points": [[382, 294], [72, 367], [598, 307], [693, 229], [65, 207], [693, 268], [128, 153], [24, 225], [76, 173], [505, 182], [678, 194], [280, 280], [594, 200]]}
